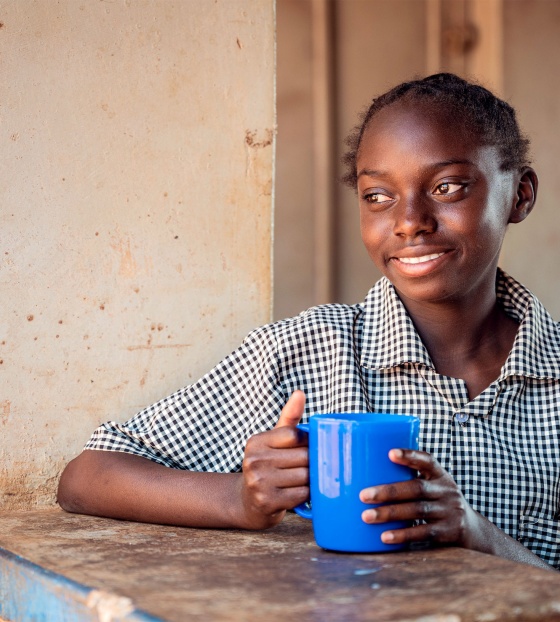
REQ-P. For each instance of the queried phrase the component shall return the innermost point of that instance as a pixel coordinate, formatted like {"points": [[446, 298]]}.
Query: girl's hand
{"points": [[432, 497], [275, 469]]}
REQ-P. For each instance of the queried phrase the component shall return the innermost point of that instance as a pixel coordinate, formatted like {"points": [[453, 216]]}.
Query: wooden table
{"points": [[56, 566]]}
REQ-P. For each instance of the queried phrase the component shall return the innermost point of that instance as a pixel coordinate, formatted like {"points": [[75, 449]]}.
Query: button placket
{"points": [[481, 406]]}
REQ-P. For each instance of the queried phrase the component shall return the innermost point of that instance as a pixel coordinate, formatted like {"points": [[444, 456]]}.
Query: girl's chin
{"points": [[426, 293]]}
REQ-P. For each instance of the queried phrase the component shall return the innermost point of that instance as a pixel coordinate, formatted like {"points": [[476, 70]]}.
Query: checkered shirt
{"points": [[502, 448]]}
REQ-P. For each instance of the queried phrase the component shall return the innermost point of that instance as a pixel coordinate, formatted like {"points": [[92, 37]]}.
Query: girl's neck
{"points": [[470, 340]]}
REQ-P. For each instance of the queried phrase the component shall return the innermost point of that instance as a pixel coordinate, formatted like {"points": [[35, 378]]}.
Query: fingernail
{"points": [[387, 536], [398, 453]]}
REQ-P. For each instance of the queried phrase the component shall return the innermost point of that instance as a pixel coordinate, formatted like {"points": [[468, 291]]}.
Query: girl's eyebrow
{"points": [[435, 166], [371, 173], [450, 162]]}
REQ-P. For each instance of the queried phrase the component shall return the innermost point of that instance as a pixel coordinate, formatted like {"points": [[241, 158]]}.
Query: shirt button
{"points": [[461, 417]]}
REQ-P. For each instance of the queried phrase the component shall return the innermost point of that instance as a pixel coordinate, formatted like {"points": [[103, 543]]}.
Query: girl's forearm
{"points": [[487, 538], [124, 486]]}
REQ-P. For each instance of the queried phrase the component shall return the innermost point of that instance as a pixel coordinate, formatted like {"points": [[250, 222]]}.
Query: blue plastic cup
{"points": [[347, 453]]}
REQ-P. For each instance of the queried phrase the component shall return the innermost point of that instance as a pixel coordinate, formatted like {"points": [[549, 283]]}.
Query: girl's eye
{"points": [[376, 197], [447, 188]]}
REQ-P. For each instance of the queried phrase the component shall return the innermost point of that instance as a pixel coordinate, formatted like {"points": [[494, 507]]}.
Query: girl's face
{"points": [[434, 204]]}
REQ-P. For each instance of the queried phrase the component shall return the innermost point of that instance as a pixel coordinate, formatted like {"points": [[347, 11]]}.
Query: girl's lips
{"points": [[422, 259], [419, 266]]}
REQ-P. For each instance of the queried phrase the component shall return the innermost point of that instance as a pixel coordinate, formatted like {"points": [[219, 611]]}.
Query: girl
{"points": [[441, 170]]}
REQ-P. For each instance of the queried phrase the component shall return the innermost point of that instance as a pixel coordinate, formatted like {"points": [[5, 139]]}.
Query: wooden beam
{"points": [[323, 151]]}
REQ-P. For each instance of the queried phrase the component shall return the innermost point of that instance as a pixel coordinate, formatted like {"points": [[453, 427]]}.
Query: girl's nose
{"points": [[413, 217]]}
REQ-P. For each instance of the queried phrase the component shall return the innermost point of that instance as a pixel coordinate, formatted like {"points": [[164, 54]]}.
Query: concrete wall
{"points": [[136, 192]]}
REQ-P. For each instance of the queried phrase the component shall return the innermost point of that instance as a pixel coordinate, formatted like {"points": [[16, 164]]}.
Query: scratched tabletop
{"points": [[123, 569]]}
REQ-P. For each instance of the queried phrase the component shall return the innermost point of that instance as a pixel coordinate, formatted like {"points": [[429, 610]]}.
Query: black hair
{"points": [[479, 111]]}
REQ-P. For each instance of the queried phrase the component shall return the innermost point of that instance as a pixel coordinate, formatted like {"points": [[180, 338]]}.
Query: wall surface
{"points": [[531, 250], [136, 201]]}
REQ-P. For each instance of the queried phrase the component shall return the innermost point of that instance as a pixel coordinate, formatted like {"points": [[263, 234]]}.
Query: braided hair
{"points": [[478, 110]]}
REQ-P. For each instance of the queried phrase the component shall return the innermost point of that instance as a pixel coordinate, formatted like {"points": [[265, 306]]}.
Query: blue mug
{"points": [[347, 453]]}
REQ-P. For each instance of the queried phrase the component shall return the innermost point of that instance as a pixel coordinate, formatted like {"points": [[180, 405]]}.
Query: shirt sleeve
{"points": [[205, 426]]}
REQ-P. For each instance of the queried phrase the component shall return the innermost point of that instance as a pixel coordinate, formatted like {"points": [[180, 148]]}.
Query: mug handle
{"points": [[304, 509]]}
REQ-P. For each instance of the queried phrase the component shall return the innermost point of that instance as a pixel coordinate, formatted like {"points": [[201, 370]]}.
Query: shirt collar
{"points": [[536, 349], [390, 338]]}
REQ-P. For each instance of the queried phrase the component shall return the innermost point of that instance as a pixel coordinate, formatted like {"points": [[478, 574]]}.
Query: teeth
{"points": [[420, 259]]}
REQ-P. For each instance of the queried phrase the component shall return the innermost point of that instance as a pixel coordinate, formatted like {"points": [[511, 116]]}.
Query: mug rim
{"points": [[363, 417]]}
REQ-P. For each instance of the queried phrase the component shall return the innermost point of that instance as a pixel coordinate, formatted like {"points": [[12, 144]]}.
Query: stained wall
{"points": [[136, 200]]}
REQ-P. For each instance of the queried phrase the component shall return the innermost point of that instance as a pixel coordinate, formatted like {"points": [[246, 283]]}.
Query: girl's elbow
{"points": [[71, 488]]}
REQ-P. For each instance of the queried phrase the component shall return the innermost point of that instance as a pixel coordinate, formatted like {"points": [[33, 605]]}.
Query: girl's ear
{"points": [[526, 195]]}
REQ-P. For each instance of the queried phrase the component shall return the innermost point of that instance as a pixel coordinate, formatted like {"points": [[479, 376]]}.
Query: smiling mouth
{"points": [[423, 259], [422, 266]]}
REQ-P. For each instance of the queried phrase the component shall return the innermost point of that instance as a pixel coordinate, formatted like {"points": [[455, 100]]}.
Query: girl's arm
{"points": [[125, 486]]}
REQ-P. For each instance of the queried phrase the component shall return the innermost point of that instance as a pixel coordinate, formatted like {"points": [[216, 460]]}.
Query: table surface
{"points": [[176, 574]]}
